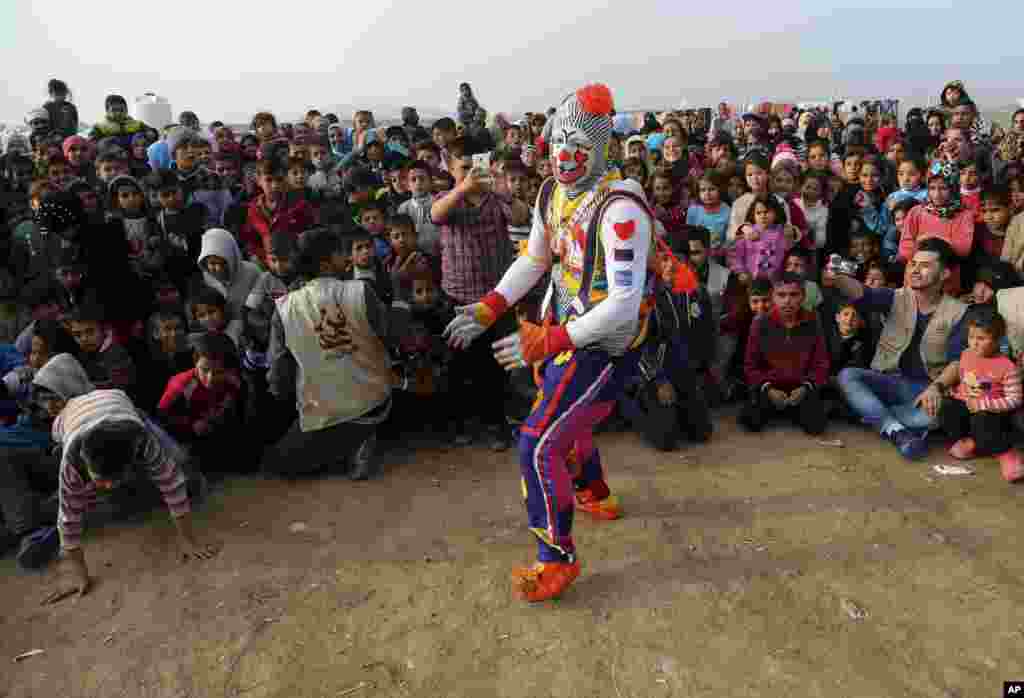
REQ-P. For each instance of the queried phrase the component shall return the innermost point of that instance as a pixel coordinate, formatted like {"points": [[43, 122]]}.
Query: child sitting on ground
{"points": [[224, 270], [850, 346], [986, 389], [49, 338], [108, 364], [208, 311], [272, 285], [169, 354], [201, 406], [786, 363], [798, 262], [422, 357]]}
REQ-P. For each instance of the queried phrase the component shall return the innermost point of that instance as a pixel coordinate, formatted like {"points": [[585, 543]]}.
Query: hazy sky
{"points": [[522, 55]]}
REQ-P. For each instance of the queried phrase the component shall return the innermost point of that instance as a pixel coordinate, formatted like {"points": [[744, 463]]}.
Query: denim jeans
{"points": [[884, 400]]}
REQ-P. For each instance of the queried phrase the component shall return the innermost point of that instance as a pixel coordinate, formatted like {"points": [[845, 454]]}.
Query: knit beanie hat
{"points": [[120, 182]]}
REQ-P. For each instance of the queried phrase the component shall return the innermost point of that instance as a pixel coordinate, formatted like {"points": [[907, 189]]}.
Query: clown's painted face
{"points": [[573, 156]]}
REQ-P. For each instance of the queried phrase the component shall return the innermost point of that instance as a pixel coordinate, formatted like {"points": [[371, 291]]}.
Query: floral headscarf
{"points": [[950, 172]]}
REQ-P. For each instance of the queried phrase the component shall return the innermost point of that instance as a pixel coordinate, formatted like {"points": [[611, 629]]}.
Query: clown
{"points": [[599, 229]]}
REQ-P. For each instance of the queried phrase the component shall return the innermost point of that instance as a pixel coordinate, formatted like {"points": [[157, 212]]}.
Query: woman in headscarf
{"points": [[468, 106], [919, 139], [953, 94]]}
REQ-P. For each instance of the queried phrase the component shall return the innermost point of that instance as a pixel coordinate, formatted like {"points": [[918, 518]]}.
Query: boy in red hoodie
{"points": [[201, 406]]}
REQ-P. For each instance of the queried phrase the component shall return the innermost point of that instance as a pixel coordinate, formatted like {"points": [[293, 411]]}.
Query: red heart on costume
{"points": [[625, 230]]}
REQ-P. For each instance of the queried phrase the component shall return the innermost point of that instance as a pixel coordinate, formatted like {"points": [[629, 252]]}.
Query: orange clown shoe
{"points": [[607, 509], [543, 580]]}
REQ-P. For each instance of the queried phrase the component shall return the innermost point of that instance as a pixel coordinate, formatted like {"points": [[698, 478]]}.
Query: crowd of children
{"points": [[155, 263]]}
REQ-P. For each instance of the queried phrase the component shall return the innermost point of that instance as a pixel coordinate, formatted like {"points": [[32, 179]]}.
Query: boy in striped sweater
{"points": [[107, 442], [986, 390]]}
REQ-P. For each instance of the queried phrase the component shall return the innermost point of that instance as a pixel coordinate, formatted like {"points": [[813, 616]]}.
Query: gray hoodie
{"points": [[64, 376], [241, 277]]}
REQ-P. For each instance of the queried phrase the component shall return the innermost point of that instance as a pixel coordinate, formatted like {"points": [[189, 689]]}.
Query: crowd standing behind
{"points": [[190, 302]]}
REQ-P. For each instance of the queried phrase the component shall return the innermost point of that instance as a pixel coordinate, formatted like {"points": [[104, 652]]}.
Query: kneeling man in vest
{"points": [[328, 353], [921, 335]]}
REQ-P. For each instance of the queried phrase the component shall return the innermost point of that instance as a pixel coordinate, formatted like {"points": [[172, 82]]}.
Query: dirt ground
{"points": [[752, 566]]}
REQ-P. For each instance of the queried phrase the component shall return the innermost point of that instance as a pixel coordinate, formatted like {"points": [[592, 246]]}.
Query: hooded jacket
{"points": [[161, 153], [121, 131], [63, 117], [144, 248], [241, 276], [65, 376]]}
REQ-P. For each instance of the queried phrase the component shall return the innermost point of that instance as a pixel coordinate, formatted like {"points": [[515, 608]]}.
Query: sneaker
{"points": [[963, 449], [912, 445], [607, 509], [38, 548], [363, 461], [1012, 465], [544, 580]]}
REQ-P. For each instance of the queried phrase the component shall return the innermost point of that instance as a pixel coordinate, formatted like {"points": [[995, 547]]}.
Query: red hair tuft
{"points": [[596, 99], [684, 279]]}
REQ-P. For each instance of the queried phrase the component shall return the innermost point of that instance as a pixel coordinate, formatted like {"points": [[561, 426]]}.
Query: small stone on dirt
{"points": [[853, 609], [297, 527]]}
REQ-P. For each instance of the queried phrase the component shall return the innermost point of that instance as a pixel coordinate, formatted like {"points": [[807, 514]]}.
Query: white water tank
{"points": [[152, 110]]}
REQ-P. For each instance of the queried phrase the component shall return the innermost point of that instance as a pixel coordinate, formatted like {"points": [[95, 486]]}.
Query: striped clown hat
{"points": [[589, 111]]}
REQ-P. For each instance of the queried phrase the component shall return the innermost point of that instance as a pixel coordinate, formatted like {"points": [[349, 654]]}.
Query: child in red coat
{"points": [[201, 406]]}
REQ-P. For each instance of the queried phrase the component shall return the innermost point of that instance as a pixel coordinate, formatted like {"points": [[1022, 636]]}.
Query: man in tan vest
{"points": [[328, 353], [921, 335]]}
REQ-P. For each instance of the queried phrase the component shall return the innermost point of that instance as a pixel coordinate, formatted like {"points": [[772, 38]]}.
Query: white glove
{"points": [[509, 352], [464, 327]]}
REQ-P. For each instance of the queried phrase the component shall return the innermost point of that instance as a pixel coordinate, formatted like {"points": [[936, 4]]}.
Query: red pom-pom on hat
{"points": [[596, 99]]}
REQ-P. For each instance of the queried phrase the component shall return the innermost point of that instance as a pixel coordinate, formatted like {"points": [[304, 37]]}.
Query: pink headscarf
{"points": [[75, 140]]}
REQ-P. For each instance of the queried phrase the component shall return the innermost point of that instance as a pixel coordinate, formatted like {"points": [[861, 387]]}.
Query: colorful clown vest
{"points": [[580, 282]]}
